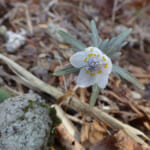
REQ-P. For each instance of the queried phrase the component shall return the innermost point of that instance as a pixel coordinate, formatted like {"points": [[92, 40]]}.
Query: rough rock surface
{"points": [[24, 123]]}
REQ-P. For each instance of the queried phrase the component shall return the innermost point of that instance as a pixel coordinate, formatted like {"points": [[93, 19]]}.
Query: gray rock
{"points": [[24, 123]]}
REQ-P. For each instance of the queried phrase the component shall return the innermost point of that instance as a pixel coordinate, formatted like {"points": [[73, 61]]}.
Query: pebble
{"points": [[135, 95]]}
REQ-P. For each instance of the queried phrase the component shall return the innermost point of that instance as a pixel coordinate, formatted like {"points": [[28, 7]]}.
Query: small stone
{"points": [[135, 95], [14, 41]]}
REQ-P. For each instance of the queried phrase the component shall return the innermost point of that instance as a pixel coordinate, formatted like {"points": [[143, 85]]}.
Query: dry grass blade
{"points": [[130, 131], [75, 103]]}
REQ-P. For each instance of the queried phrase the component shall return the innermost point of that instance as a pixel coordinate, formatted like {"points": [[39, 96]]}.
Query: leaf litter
{"points": [[38, 55]]}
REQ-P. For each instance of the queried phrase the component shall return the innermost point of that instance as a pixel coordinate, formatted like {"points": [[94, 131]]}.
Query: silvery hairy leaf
{"points": [[94, 37], [117, 42], [72, 41], [126, 75], [65, 71]]}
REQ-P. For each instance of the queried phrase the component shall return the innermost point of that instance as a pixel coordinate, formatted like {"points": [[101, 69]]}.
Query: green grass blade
{"points": [[126, 75], [65, 71], [95, 91], [72, 41]]}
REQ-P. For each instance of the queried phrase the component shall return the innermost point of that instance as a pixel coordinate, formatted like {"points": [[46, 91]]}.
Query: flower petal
{"points": [[93, 50], [102, 80], [77, 60], [107, 65], [85, 79]]}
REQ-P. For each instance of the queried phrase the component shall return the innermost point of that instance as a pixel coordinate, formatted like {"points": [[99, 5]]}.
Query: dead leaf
{"points": [[67, 140], [105, 144], [92, 132], [105, 6], [118, 141], [139, 3]]}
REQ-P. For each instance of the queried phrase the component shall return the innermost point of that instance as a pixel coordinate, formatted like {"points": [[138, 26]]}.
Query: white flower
{"points": [[95, 67]]}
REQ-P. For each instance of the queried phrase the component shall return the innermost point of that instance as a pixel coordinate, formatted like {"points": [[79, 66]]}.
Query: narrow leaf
{"points": [[95, 37], [123, 36], [74, 49], [123, 44], [71, 40], [115, 55], [117, 42], [65, 71], [112, 41], [104, 45], [95, 91], [99, 43], [126, 75]]}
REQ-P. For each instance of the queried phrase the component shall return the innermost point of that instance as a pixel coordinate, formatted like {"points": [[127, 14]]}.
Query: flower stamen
{"points": [[85, 60], [89, 55], [92, 74], [104, 58], [99, 71], [87, 71], [105, 66]]}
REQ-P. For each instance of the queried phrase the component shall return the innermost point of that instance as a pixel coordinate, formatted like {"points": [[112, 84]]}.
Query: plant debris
{"points": [[43, 52]]}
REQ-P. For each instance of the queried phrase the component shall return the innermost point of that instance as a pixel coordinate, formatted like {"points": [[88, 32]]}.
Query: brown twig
{"points": [[125, 102]]}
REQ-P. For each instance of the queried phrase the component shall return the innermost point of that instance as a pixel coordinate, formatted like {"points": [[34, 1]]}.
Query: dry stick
{"points": [[128, 103], [75, 103], [67, 123], [114, 11], [28, 19]]}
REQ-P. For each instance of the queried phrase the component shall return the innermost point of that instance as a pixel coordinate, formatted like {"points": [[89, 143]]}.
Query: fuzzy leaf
{"points": [[115, 55], [65, 71], [95, 91], [99, 42], [95, 37], [104, 45], [126, 75], [71, 40], [74, 49], [117, 42]]}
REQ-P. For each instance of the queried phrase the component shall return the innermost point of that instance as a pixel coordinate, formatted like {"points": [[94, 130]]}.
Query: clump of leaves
{"points": [[109, 47]]}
